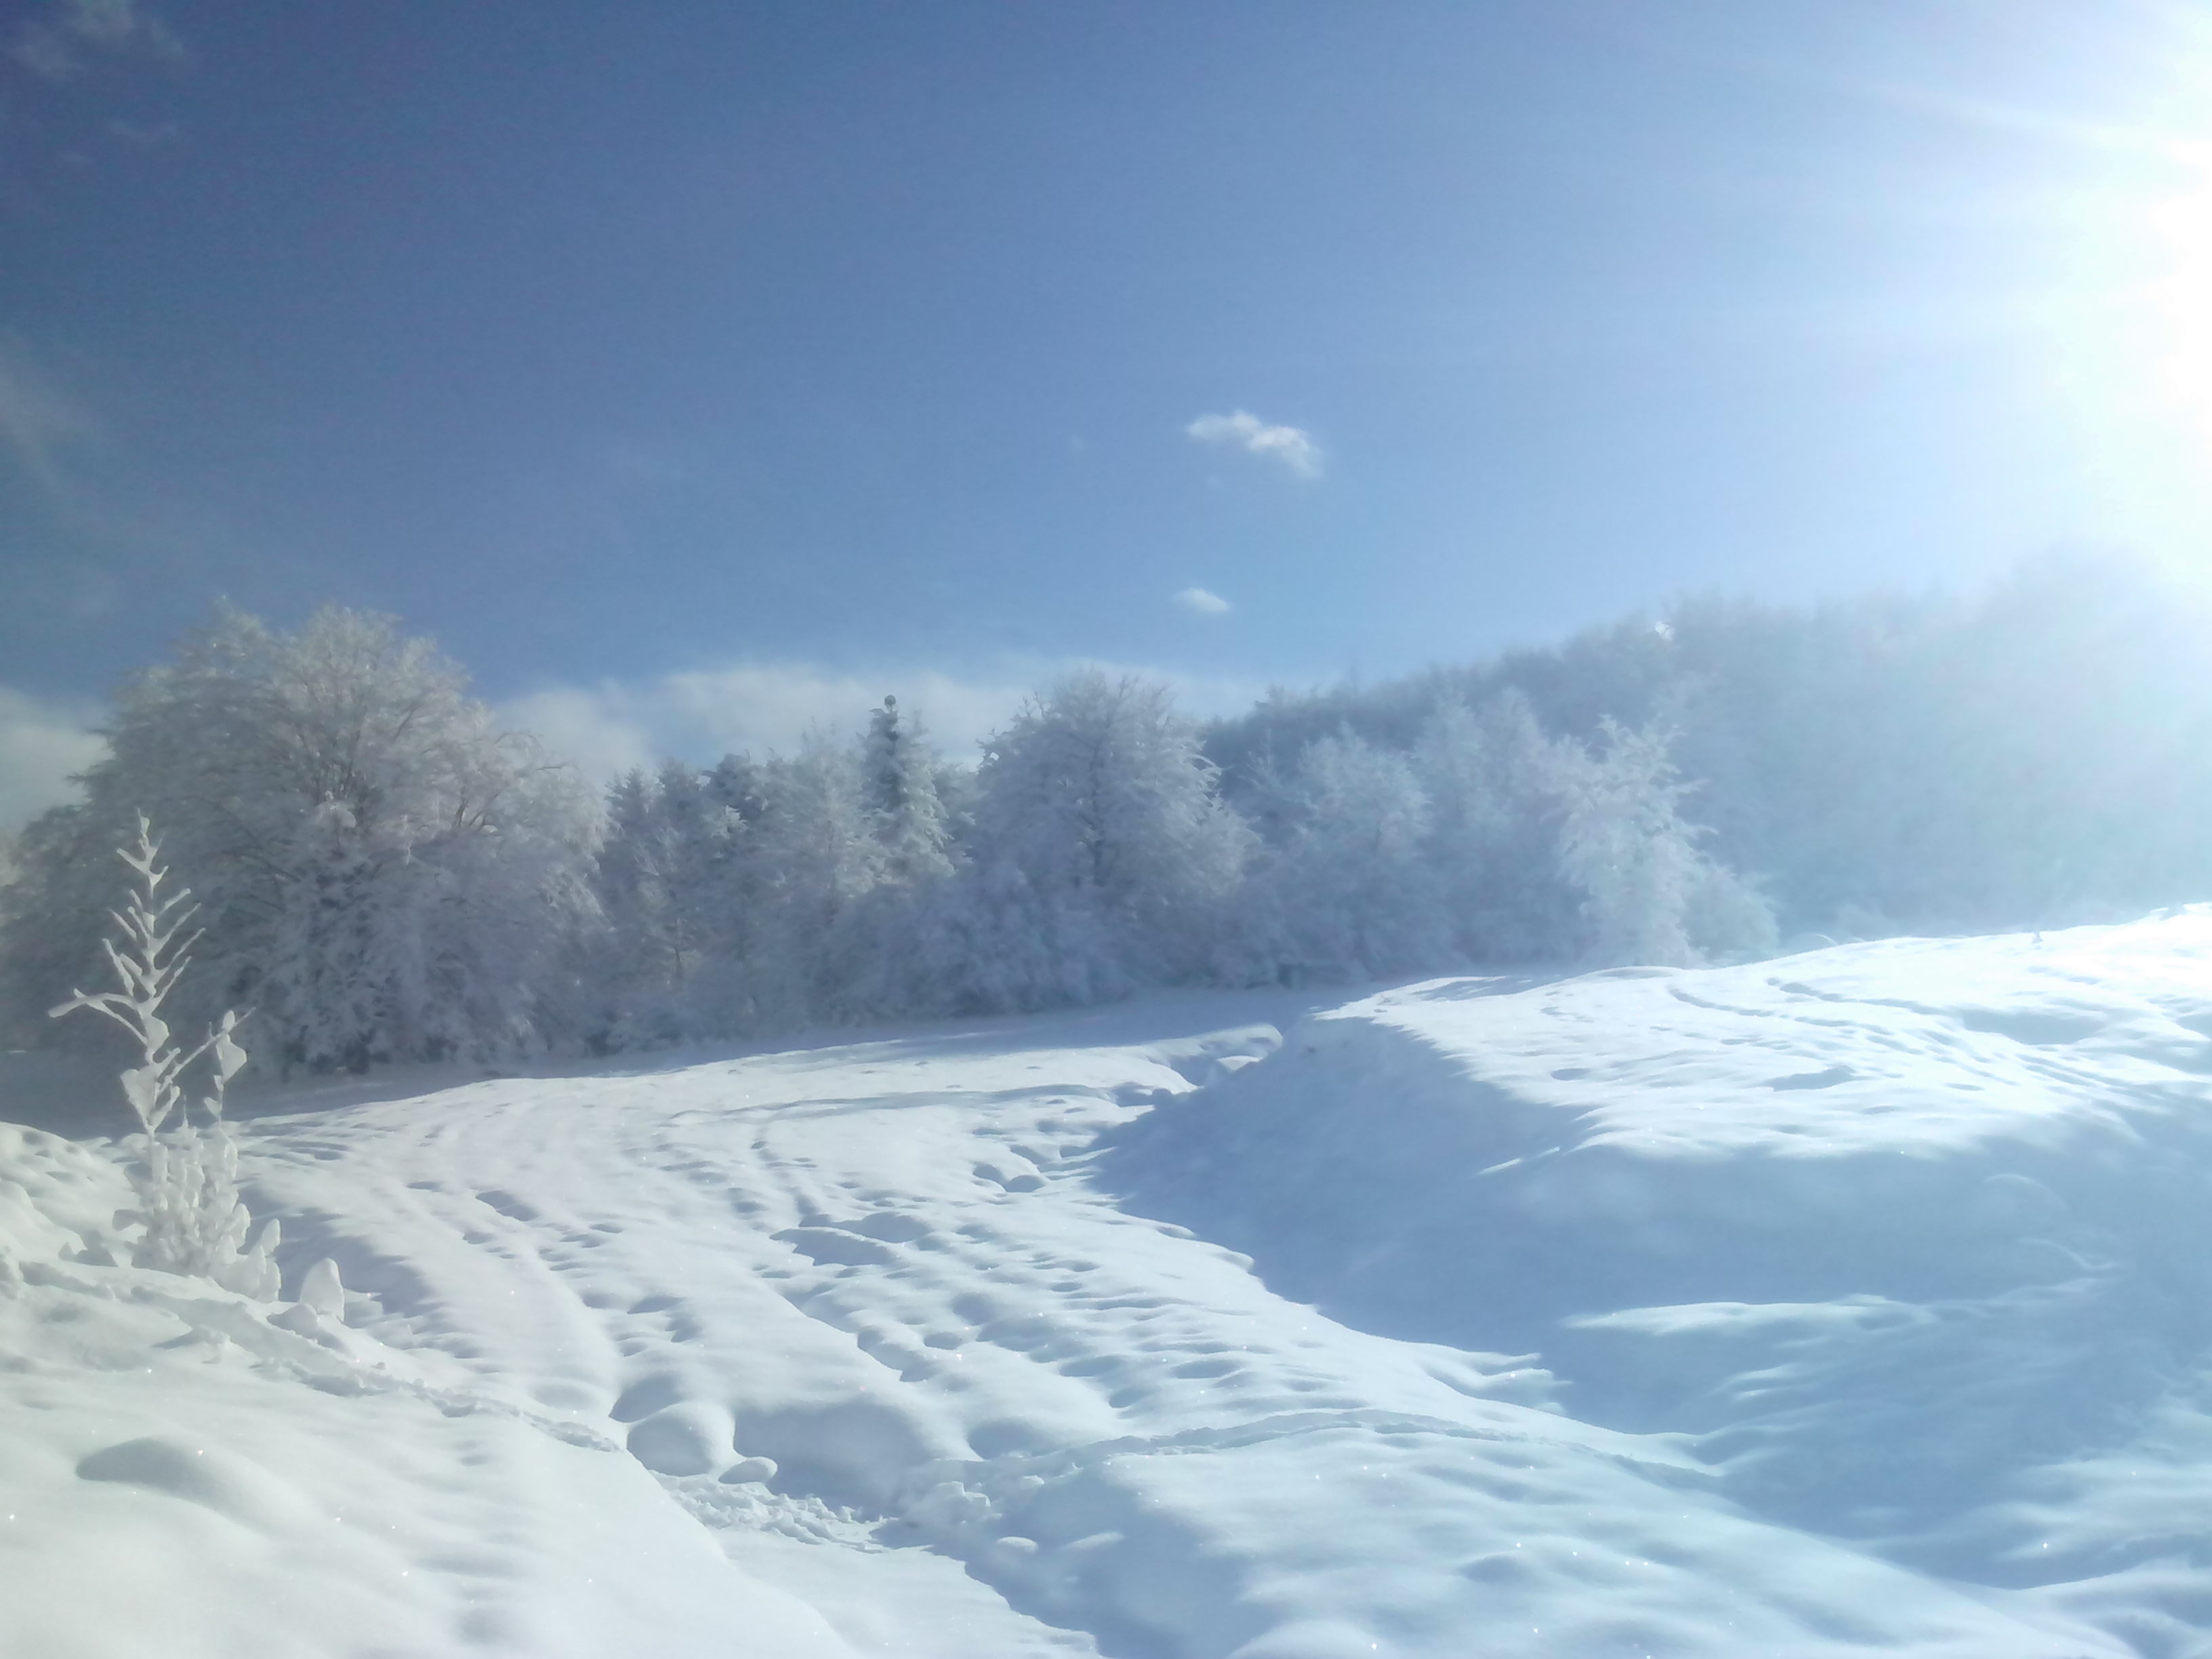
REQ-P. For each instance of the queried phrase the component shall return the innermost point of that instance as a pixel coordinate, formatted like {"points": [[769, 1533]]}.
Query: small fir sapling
{"points": [[188, 1191]]}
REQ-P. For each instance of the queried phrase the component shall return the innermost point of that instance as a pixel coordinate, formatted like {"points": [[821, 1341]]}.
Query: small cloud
{"points": [[1246, 431], [1201, 602], [55, 47]]}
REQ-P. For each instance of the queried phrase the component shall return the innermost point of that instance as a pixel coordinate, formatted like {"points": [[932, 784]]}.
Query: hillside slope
{"points": [[1844, 1303]]}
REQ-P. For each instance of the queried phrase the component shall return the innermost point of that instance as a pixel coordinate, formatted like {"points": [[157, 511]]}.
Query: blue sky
{"points": [[689, 369]]}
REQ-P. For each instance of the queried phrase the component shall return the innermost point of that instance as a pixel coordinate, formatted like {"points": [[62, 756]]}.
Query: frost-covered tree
{"points": [[1351, 892], [2040, 751], [767, 895], [383, 872], [900, 771], [667, 877], [1650, 894], [816, 857], [1103, 856], [1495, 784]]}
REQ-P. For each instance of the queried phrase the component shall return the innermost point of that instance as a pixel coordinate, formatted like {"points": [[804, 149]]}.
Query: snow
{"points": [[1851, 1301]]}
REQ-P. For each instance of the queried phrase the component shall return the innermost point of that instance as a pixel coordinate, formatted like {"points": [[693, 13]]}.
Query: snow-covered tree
{"points": [[1495, 784], [384, 873], [1650, 894], [899, 783], [816, 857], [767, 896], [1351, 892], [1102, 854], [667, 877]]}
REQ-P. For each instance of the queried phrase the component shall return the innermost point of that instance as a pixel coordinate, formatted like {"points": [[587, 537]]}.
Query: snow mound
{"points": [[1913, 1238], [57, 1199], [282, 1485], [1848, 1303]]}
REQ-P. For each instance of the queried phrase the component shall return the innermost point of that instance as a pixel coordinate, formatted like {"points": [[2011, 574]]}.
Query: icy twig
{"points": [[188, 1194]]}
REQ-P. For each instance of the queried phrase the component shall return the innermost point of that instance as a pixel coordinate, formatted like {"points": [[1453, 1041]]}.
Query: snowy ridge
{"points": [[1847, 1302], [1775, 1128], [1912, 1237]]}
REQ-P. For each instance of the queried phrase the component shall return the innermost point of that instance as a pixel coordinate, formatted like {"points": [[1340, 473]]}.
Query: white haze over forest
{"points": [[389, 870], [763, 708], [609, 727], [1693, 1141]]}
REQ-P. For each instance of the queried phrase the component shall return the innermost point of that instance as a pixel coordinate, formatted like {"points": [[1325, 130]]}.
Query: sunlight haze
{"points": [[878, 343]]}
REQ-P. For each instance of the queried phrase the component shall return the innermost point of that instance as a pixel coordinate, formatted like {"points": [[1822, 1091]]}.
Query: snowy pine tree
{"points": [[676, 881], [817, 857], [899, 790]]}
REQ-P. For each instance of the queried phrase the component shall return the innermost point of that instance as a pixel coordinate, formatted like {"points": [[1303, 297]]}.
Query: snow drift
{"points": [[1911, 1237], [1844, 1303]]}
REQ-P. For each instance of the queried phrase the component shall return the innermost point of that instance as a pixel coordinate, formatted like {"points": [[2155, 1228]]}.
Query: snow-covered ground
{"points": [[1854, 1301]]}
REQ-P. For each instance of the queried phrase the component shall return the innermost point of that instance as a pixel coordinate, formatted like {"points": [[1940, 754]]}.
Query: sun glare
{"points": [[2131, 331], [2177, 300]]}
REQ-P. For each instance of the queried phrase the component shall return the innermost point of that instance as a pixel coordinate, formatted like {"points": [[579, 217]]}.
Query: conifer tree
{"points": [[899, 774]]}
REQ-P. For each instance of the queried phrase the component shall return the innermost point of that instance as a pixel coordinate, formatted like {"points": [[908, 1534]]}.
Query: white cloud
{"points": [[1202, 602], [761, 708], [600, 729], [1246, 431], [54, 47], [35, 420], [701, 714], [41, 744], [698, 716]]}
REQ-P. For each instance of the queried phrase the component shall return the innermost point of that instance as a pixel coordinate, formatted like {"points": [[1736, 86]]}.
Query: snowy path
{"points": [[1010, 1411]]}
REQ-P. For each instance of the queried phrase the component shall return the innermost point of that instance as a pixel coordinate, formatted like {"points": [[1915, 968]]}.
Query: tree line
{"points": [[384, 873]]}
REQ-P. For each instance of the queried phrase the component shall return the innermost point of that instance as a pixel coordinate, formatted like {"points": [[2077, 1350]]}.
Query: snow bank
{"points": [[56, 1199], [186, 1472], [1914, 1238], [1852, 1302], [1920, 1119]]}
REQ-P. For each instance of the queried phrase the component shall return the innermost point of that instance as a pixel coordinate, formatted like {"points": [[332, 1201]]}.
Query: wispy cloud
{"points": [[700, 715], [605, 729], [1203, 602], [132, 135], [58, 45], [35, 420], [1241, 429], [758, 709], [41, 745]]}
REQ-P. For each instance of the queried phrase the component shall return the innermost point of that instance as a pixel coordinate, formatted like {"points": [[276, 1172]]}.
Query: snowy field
{"points": [[1852, 1302]]}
